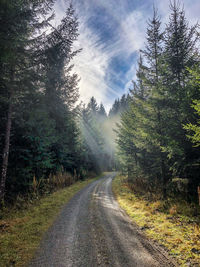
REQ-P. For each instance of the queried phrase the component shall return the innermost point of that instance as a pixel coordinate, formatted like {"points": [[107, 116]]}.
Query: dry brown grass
{"points": [[173, 225]]}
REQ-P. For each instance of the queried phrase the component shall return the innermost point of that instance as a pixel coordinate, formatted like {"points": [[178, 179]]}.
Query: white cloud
{"points": [[93, 63], [133, 30], [130, 76]]}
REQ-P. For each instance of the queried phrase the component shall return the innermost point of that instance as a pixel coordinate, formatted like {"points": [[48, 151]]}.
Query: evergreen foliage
{"points": [[92, 119], [39, 91], [194, 127], [152, 139], [20, 28], [44, 132]]}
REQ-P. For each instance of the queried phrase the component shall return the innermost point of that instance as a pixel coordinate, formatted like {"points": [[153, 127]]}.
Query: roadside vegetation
{"points": [[173, 223], [158, 136], [23, 226]]}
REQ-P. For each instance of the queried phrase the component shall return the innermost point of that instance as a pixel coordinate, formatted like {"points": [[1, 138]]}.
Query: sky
{"points": [[111, 33]]}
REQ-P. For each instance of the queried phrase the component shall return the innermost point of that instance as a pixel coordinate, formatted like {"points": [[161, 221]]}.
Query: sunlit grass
{"points": [[22, 230], [172, 226]]}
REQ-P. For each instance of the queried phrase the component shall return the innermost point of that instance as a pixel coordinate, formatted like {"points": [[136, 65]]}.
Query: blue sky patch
{"points": [[111, 34]]}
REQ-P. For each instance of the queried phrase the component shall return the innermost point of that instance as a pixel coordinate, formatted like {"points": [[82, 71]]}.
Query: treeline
{"points": [[44, 134], [99, 138], [158, 137]]}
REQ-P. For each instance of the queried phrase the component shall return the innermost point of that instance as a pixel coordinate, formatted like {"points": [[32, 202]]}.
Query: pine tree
{"points": [[145, 112], [61, 88], [194, 127], [180, 54], [131, 138], [93, 140], [20, 20], [156, 115], [115, 108], [151, 137], [93, 106], [102, 111]]}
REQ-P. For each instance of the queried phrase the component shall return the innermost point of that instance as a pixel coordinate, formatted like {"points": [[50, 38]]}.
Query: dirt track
{"points": [[92, 230]]}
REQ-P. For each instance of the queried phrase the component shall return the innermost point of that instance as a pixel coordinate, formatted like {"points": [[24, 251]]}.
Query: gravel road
{"points": [[92, 230]]}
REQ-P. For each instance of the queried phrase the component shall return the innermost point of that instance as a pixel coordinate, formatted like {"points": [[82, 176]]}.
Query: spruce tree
{"points": [[61, 88], [194, 127], [20, 21], [102, 111], [156, 115], [93, 140], [180, 54]]}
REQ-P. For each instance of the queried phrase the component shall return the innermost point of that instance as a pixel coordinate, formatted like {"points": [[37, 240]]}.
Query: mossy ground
{"points": [[171, 225], [22, 230]]}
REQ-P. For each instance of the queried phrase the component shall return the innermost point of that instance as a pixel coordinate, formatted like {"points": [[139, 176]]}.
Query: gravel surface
{"points": [[92, 230]]}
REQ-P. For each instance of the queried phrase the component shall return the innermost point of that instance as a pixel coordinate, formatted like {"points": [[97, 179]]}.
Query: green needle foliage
{"points": [[41, 134], [194, 127], [152, 139]]}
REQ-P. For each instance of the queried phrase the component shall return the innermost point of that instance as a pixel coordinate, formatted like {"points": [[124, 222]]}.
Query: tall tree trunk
{"points": [[6, 151]]}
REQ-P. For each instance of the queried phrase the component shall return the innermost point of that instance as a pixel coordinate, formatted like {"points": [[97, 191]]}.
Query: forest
{"points": [[43, 130], [50, 139], [158, 136], [87, 182]]}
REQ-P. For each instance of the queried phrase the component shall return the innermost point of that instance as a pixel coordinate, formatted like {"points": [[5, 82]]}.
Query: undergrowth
{"points": [[174, 224], [21, 230]]}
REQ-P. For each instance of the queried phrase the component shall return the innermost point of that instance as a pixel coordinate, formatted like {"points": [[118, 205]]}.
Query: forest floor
{"points": [[173, 227], [21, 230]]}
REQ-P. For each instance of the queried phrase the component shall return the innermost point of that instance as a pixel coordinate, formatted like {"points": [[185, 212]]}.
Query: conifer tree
{"points": [[180, 54], [93, 106], [20, 20], [156, 115], [151, 136], [194, 127], [102, 111], [61, 88], [93, 140], [115, 108]]}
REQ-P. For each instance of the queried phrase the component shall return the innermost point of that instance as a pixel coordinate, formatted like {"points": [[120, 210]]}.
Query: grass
{"points": [[22, 230], [170, 223]]}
